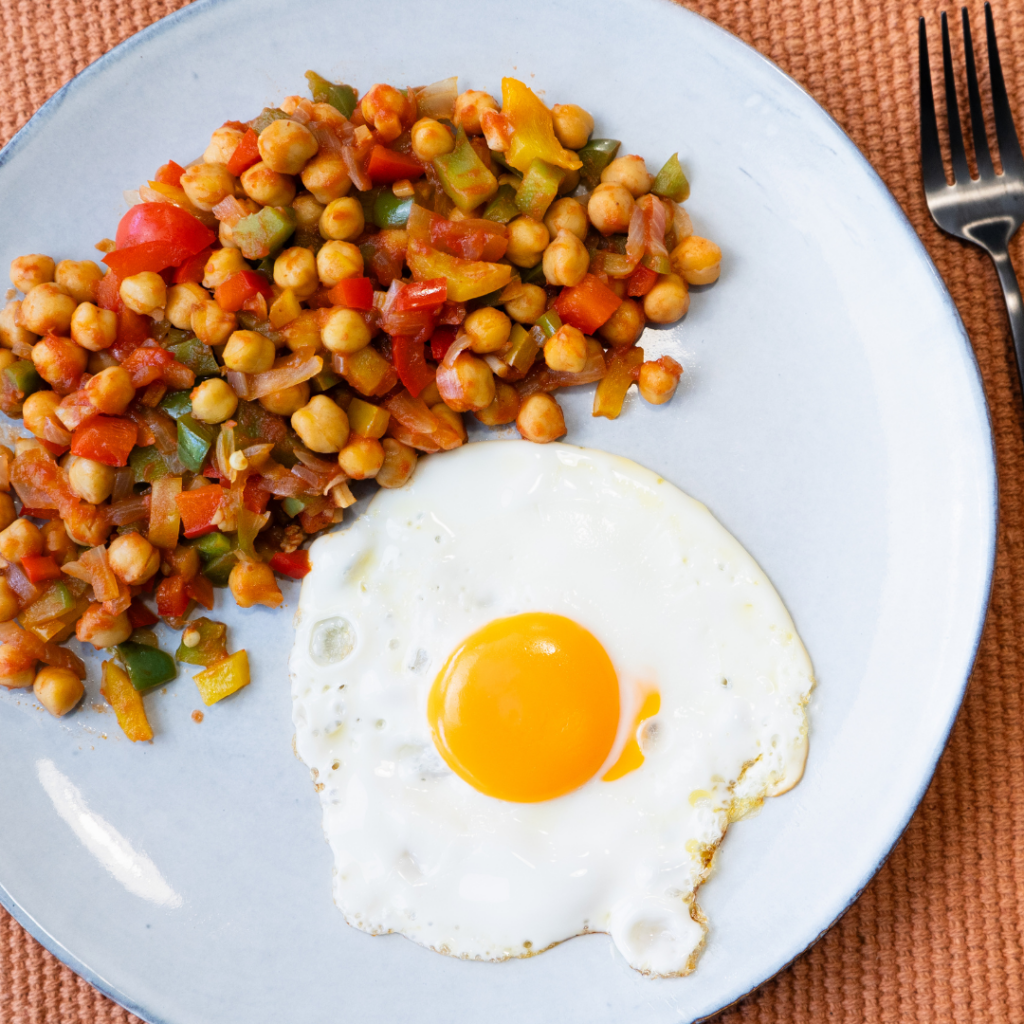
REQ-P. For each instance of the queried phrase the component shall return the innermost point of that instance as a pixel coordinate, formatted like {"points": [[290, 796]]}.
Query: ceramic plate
{"points": [[831, 417]]}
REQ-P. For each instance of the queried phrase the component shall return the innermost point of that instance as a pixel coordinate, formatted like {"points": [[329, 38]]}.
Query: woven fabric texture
{"points": [[938, 935]]}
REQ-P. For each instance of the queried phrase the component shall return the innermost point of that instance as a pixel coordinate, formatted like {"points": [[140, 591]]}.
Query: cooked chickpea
{"points": [[529, 304], [322, 425], [58, 359], [249, 352], [573, 125], [58, 689], [566, 350], [540, 419], [362, 457], [7, 358], [399, 462], [623, 327], [345, 331], [658, 380], [527, 240], [223, 144], [213, 325], [469, 107], [214, 401], [133, 559], [226, 236], [93, 328], [266, 186], [101, 629], [329, 115], [57, 543], [7, 512], [467, 385], [253, 583], [307, 210], [111, 390], [21, 538], [295, 268], [287, 400], [47, 309], [326, 177], [337, 261], [144, 293], [183, 300], [86, 525], [489, 328], [11, 331], [503, 409], [566, 215], [79, 278], [566, 260], [38, 409], [630, 172], [207, 184], [8, 605], [610, 208], [697, 260], [430, 138], [91, 481], [21, 678], [387, 110], [28, 271], [668, 300], [451, 417], [342, 220], [286, 146]]}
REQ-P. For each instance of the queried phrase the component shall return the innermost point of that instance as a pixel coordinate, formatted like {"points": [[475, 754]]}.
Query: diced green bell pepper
{"points": [[196, 355], [390, 211], [213, 545], [463, 176], [549, 323], [146, 666], [671, 182], [525, 346], [249, 321], [177, 404], [267, 116], [341, 97], [218, 569], [266, 268], [538, 189], [596, 155], [659, 264], [502, 208], [211, 646], [24, 376], [292, 506], [533, 275], [324, 381], [162, 331], [194, 442], [263, 233], [147, 464]]}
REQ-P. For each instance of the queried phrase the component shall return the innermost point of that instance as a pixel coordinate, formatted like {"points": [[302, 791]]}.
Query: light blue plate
{"points": [[832, 417]]}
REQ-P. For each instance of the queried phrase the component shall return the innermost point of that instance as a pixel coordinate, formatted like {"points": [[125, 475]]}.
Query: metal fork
{"points": [[989, 209]]}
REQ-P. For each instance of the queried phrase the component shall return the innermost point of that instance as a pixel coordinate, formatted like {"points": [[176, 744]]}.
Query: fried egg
{"points": [[534, 686]]}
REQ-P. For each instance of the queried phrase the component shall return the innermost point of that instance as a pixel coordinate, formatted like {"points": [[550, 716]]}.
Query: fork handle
{"points": [[1014, 305]]}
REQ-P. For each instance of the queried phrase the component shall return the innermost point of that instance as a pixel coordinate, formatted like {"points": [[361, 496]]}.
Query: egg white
{"points": [[499, 528]]}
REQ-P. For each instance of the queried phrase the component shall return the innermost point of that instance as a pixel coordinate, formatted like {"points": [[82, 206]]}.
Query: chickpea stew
{"points": [[320, 299]]}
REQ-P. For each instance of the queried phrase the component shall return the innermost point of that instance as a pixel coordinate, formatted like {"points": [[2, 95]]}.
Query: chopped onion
{"points": [[126, 510], [438, 100], [230, 211], [132, 197], [294, 369], [124, 482], [460, 344]]}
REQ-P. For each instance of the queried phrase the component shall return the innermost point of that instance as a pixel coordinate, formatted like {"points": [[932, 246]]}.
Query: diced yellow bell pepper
{"points": [[623, 366], [224, 678], [284, 309], [366, 419], [164, 517], [467, 279], [533, 130], [126, 702]]}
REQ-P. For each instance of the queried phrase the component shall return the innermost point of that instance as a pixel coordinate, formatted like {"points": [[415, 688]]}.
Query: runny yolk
{"points": [[632, 756], [527, 708]]}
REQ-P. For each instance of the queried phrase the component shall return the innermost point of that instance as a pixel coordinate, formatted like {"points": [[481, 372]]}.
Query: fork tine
{"points": [[1009, 144], [958, 155], [981, 151], [931, 153]]}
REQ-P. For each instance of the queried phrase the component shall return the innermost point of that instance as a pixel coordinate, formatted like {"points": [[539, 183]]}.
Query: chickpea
{"points": [[213, 325], [566, 215], [144, 293], [566, 350], [101, 629], [93, 328], [182, 300], [223, 144], [630, 172], [286, 146], [528, 305], [87, 526], [214, 401], [503, 409], [668, 300], [321, 424], [133, 559], [20, 678], [566, 260], [7, 358], [573, 125], [91, 481], [21, 538], [610, 208], [467, 385], [28, 271], [226, 236], [263, 184], [362, 457], [469, 107], [303, 331], [399, 463], [57, 359], [308, 210], [527, 240], [295, 268], [658, 380], [337, 261], [326, 177], [430, 138], [111, 390], [489, 328], [342, 220], [57, 543], [79, 278], [207, 184], [451, 417], [249, 352], [58, 689], [540, 419], [287, 400], [11, 331], [46, 309], [38, 408], [345, 331], [697, 260], [7, 512], [623, 327], [8, 607], [387, 110], [253, 583]]}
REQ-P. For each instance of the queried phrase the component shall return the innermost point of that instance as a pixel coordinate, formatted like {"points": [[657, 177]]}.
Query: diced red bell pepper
{"points": [[132, 331], [641, 281], [140, 616], [172, 598], [246, 153], [353, 292], [242, 285], [108, 291], [255, 495], [294, 564], [166, 223], [440, 341], [452, 313], [200, 589], [470, 239], [385, 166], [170, 174], [198, 509], [193, 270], [411, 363], [422, 295], [587, 305], [40, 568], [106, 439], [384, 254], [145, 364]]}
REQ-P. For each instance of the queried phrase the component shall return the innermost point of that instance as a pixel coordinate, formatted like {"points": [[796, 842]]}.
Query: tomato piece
{"points": [[411, 363], [155, 256], [471, 239], [40, 568], [132, 331], [294, 564], [440, 341], [106, 439], [240, 286], [172, 599], [54, 449], [163, 222], [641, 281], [193, 270], [140, 616], [422, 295], [587, 305], [385, 166], [108, 291], [255, 495], [198, 509], [353, 292], [170, 174], [200, 589], [145, 365], [246, 153]]}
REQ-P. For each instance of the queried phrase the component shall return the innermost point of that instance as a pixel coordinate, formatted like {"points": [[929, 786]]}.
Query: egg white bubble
{"points": [[499, 528]]}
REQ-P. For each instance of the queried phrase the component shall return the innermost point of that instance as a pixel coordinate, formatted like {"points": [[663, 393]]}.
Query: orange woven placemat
{"points": [[938, 934]]}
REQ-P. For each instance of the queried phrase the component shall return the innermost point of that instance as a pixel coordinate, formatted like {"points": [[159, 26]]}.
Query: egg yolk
{"points": [[527, 708], [632, 756]]}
